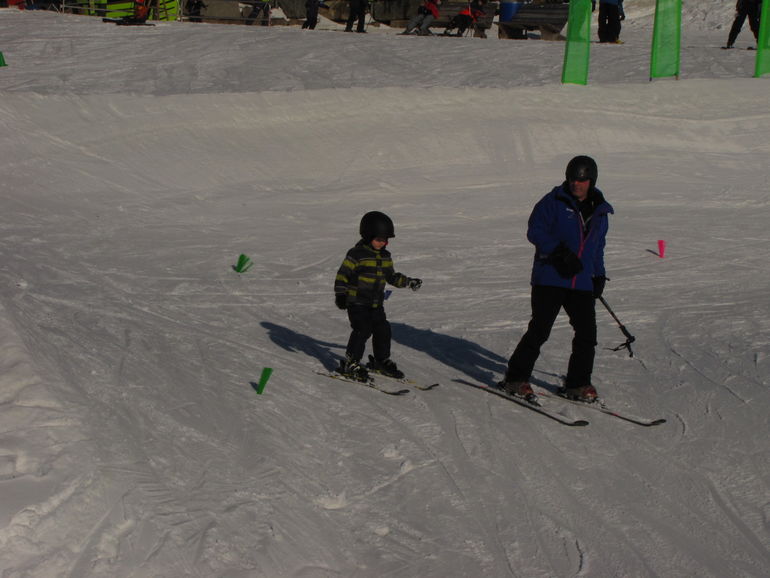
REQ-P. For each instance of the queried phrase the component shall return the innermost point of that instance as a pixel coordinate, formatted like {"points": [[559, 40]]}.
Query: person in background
{"points": [[745, 9], [357, 13], [425, 16], [466, 18], [194, 9], [262, 6], [611, 14], [311, 14]]}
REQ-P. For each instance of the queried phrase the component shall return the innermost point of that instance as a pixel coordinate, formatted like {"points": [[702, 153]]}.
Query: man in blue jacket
{"points": [[568, 228]]}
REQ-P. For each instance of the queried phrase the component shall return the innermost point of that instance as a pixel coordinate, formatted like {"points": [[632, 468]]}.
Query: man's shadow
{"points": [[460, 354], [466, 357]]}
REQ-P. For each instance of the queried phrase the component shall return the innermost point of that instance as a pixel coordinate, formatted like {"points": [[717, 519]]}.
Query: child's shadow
{"points": [[465, 356]]}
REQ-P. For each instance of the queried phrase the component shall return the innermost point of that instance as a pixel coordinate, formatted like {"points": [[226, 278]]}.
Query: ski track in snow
{"points": [[132, 443]]}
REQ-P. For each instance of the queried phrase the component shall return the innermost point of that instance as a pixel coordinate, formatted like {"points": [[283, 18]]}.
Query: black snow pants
{"points": [[368, 322], [546, 304]]}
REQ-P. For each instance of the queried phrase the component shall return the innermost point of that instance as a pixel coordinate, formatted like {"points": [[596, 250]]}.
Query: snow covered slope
{"points": [[137, 164]]}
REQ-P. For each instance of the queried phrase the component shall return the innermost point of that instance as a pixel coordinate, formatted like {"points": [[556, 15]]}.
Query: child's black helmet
{"points": [[376, 224], [582, 168]]}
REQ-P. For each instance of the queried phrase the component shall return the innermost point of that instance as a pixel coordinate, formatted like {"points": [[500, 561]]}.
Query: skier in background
{"points": [[745, 9], [466, 18], [359, 287], [357, 13], [425, 16], [611, 14], [259, 6], [141, 13], [311, 14], [194, 9], [568, 228]]}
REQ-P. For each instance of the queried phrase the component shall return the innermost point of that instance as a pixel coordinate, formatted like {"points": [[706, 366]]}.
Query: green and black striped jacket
{"points": [[364, 273]]}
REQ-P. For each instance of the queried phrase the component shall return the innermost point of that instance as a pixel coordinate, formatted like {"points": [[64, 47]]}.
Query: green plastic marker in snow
{"points": [[260, 387], [243, 264]]}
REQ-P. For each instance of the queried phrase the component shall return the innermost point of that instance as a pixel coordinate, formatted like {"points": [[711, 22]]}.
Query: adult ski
{"points": [[531, 405], [370, 383], [601, 406]]}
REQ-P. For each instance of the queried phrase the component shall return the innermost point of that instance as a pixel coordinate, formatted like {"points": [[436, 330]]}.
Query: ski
{"points": [[371, 383], [601, 406], [531, 405], [404, 380]]}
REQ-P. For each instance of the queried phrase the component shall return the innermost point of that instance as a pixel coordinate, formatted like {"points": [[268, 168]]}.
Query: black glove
{"points": [[341, 300], [599, 283], [566, 263], [593, 5], [414, 284]]}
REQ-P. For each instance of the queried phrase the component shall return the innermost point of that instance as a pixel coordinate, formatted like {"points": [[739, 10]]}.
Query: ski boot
{"points": [[352, 369], [385, 367], [584, 393], [518, 389]]}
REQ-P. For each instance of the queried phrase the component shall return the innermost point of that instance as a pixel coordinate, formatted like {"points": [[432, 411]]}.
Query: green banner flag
{"points": [[666, 39], [763, 44], [578, 47]]}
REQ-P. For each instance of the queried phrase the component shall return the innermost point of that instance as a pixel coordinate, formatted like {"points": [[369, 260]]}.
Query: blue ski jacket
{"points": [[557, 218]]}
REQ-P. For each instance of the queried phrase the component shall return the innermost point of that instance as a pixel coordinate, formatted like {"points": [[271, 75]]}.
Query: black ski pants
{"points": [[546, 304], [609, 23], [745, 10], [368, 322], [357, 14]]}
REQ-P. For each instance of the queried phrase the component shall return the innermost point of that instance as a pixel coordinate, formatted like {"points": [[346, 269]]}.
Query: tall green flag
{"points": [[578, 47], [666, 39], [763, 44]]}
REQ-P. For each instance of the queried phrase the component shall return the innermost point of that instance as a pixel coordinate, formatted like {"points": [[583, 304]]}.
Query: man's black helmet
{"points": [[582, 168], [376, 224]]}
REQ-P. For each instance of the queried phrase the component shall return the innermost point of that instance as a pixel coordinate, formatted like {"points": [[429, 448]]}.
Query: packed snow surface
{"points": [[138, 163]]}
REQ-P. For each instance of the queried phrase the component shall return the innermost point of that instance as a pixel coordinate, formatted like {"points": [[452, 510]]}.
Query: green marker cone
{"points": [[260, 387], [243, 264]]}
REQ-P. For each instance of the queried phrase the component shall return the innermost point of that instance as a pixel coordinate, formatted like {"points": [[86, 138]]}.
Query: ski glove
{"points": [[414, 284], [566, 263], [341, 300], [599, 283]]}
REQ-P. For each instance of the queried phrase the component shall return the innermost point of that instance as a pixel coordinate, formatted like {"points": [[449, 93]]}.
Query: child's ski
{"points": [[369, 383], [405, 381]]}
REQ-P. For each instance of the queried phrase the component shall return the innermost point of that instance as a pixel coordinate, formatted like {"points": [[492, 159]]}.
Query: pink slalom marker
{"points": [[662, 249]]}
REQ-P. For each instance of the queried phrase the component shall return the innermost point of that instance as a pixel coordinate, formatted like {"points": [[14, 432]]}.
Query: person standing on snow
{"points": [[311, 14], [259, 6], [357, 15], [466, 18], [425, 16], [568, 228], [745, 9], [359, 287], [610, 15]]}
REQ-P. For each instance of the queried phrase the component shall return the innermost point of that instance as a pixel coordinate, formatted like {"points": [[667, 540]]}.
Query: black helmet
{"points": [[375, 224], [581, 168]]}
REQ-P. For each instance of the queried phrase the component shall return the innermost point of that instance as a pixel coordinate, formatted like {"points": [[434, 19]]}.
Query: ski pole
{"points": [[629, 338]]}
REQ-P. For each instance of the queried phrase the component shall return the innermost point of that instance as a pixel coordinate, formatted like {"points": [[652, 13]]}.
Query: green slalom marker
{"points": [[243, 264], [260, 387]]}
